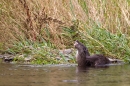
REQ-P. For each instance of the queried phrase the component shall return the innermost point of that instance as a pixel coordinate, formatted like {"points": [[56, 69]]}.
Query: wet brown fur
{"points": [[84, 59]]}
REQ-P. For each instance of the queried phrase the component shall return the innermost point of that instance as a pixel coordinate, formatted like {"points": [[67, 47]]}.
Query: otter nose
{"points": [[75, 43]]}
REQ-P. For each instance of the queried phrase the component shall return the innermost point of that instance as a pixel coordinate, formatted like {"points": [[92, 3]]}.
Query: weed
{"points": [[40, 29]]}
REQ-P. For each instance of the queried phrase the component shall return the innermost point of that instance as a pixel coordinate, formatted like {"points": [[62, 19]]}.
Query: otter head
{"points": [[81, 48], [78, 45]]}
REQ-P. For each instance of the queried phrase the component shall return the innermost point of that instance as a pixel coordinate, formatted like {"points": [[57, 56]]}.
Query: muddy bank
{"points": [[66, 56]]}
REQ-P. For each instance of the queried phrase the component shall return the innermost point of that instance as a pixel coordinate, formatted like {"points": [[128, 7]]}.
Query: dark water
{"points": [[63, 75]]}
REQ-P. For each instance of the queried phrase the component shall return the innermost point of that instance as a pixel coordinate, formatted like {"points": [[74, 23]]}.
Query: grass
{"points": [[37, 53], [42, 28], [103, 41]]}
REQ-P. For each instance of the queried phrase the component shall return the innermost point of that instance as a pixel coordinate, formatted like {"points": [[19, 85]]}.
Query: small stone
{"points": [[65, 51], [58, 58], [29, 58], [1, 56], [8, 59]]}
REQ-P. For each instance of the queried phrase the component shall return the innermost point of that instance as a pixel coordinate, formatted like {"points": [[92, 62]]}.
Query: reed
{"points": [[101, 24], [106, 30]]}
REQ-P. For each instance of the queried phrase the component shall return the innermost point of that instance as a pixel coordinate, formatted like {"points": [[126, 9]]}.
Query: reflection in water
{"points": [[63, 75], [87, 75]]}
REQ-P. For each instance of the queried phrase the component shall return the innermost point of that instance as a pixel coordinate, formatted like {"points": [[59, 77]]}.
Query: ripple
{"points": [[70, 81]]}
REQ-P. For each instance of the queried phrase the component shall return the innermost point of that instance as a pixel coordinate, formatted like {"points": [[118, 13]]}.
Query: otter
{"points": [[84, 59]]}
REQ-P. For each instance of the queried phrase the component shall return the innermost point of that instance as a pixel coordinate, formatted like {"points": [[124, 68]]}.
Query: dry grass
{"points": [[45, 19], [103, 25]]}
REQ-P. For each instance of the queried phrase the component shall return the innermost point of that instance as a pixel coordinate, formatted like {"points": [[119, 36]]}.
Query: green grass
{"points": [[40, 53], [114, 45], [96, 39], [40, 31]]}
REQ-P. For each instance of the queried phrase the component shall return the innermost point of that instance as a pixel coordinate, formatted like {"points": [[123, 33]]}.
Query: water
{"points": [[63, 75]]}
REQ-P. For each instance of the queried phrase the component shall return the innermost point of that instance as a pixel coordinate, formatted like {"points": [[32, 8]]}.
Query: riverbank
{"points": [[40, 29], [44, 56]]}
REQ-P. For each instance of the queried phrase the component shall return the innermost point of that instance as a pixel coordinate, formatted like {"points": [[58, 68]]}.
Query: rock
{"points": [[7, 57], [58, 58], [65, 51], [116, 60], [1, 56], [28, 59], [67, 54]]}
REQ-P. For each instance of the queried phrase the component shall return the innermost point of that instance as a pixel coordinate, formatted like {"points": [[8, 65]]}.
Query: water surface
{"points": [[63, 75]]}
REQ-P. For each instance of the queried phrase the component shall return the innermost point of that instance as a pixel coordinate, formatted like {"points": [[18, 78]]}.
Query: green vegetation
{"points": [[37, 53], [103, 41], [40, 29]]}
